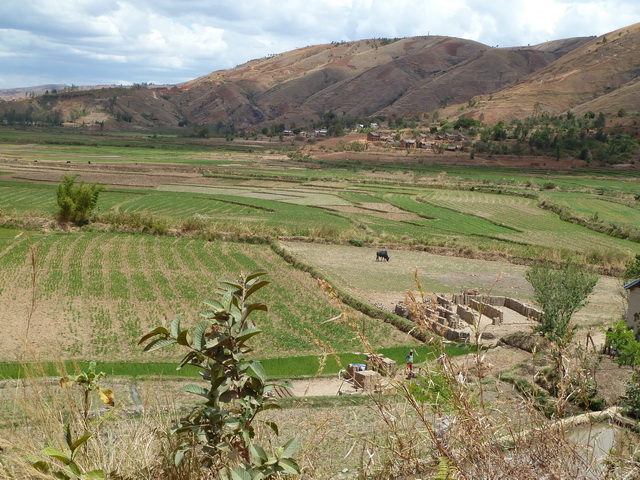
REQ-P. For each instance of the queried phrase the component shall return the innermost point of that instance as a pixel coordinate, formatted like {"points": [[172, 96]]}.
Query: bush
{"points": [[220, 432], [76, 202], [560, 291]]}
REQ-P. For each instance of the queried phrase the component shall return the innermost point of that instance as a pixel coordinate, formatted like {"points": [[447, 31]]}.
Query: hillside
{"points": [[599, 75], [366, 78]]}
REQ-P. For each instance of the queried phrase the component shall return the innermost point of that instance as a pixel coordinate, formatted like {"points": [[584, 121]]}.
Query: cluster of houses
{"points": [[446, 141]]}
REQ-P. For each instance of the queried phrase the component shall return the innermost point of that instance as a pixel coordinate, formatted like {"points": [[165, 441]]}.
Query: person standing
{"points": [[409, 359]]}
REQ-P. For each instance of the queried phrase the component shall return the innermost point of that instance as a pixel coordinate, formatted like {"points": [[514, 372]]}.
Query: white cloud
{"points": [[105, 41]]}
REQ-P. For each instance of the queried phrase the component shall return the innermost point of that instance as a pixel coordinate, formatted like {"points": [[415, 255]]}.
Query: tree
{"points": [[632, 271], [622, 342], [76, 202], [221, 431], [560, 291]]}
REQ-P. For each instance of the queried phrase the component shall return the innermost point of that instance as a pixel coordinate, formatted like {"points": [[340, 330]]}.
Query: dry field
{"points": [[386, 283]]}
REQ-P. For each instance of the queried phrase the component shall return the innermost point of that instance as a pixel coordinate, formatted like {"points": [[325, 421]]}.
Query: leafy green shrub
{"points": [[560, 291], [622, 343], [76, 202], [220, 431]]}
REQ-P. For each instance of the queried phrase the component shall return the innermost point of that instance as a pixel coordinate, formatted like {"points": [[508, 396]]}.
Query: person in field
{"points": [[409, 359]]}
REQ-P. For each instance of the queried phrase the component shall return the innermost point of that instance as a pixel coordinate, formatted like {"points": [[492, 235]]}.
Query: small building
{"points": [[373, 137], [321, 133], [408, 143], [288, 133], [633, 306]]}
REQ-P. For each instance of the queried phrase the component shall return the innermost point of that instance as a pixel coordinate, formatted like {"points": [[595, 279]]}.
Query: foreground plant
{"points": [[220, 432], [70, 469]]}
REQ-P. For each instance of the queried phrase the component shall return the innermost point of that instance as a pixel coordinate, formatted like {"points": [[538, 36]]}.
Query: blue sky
{"points": [[89, 42]]}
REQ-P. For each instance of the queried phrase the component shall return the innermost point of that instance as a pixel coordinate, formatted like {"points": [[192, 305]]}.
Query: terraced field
{"points": [[529, 223], [97, 293], [599, 207]]}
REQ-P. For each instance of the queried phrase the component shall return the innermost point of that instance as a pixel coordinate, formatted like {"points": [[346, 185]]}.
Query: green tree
{"points": [[632, 271], [560, 291], [221, 430], [76, 201], [621, 339]]}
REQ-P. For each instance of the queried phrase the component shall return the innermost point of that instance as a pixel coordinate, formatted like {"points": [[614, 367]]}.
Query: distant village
{"points": [[378, 135]]}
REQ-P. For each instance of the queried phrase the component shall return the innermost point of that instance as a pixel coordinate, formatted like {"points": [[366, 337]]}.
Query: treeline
{"points": [[584, 137], [31, 116]]}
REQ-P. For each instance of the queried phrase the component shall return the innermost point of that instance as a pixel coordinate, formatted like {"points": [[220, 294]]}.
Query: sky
{"points": [[93, 42]]}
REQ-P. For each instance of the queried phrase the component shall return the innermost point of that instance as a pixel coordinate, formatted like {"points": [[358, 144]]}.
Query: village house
{"points": [[633, 307], [408, 143], [373, 137]]}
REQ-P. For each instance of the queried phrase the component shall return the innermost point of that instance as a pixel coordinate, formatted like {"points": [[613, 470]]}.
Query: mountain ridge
{"points": [[425, 76]]}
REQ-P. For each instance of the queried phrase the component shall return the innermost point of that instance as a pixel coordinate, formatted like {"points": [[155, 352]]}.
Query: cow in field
{"points": [[382, 255]]}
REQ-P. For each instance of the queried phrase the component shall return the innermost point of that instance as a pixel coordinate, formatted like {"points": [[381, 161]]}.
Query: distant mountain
{"points": [[365, 78], [408, 76], [601, 75], [25, 92]]}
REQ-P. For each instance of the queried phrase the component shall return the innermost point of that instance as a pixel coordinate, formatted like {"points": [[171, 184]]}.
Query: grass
{"points": [[281, 367]]}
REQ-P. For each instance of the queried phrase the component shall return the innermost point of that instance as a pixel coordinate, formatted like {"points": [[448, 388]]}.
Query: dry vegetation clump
{"points": [[53, 433]]}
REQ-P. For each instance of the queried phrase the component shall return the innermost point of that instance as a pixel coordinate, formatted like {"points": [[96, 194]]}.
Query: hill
{"points": [[367, 78], [598, 75]]}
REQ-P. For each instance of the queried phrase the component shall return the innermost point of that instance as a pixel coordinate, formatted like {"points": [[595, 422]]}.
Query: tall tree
{"points": [[560, 291]]}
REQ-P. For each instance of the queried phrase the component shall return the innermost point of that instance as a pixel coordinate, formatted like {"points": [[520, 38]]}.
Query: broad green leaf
{"points": [[214, 305], [57, 454], [256, 306], [198, 334], [153, 333], [231, 283], [39, 465], [258, 370], [196, 389], [95, 475], [74, 469], [257, 286], [289, 466], [177, 460], [270, 406], [247, 334], [257, 452], [175, 326], [80, 441], [159, 343], [182, 338], [289, 448], [256, 274], [240, 473]]}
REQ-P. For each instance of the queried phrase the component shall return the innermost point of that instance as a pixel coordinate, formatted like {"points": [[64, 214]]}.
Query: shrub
{"points": [[220, 431], [76, 202], [560, 291]]}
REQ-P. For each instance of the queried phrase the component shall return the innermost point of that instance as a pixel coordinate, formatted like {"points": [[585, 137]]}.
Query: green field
{"points": [[97, 288], [98, 293]]}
